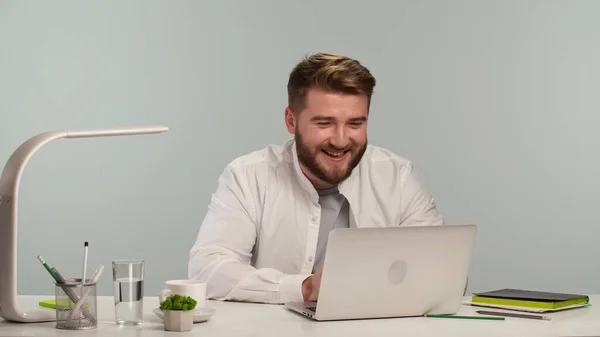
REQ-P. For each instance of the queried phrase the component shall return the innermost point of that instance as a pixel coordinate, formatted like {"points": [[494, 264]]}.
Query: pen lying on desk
{"points": [[492, 318], [511, 314]]}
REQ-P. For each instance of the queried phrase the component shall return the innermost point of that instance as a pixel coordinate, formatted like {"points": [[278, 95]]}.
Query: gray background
{"points": [[496, 102]]}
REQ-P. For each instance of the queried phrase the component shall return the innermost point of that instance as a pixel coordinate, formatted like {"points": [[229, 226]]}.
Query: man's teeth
{"points": [[335, 154]]}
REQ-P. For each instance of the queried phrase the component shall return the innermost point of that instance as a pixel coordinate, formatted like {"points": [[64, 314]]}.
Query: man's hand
{"points": [[310, 286]]}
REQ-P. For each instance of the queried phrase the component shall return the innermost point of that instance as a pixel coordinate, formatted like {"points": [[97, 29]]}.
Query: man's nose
{"points": [[340, 138]]}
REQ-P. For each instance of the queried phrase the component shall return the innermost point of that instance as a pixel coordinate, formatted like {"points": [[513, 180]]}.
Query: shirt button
{"points": [[310, 258], [314, 218]]}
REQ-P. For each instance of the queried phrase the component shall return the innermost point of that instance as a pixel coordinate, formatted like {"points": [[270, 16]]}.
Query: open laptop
{"points": [[392, 272]]}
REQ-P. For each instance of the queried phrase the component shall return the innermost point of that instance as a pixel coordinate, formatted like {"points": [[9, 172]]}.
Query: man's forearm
{"points": [[228, 279]]}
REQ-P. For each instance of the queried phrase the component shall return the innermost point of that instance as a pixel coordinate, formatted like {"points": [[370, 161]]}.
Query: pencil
{"points": [[510, 314], [491, 318], [47, 268]]}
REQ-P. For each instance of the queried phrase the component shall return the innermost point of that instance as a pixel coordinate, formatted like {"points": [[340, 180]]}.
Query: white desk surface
{"points": [[248, 319]]}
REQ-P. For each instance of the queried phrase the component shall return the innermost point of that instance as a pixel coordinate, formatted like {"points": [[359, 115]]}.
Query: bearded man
{"points": [[264, 236]]}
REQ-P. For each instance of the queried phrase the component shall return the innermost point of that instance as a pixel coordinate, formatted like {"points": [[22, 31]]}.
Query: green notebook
{"points": [[529, 298]]}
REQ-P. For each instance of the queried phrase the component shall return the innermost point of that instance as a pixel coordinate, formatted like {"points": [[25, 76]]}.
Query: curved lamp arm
{"points": [[9, 190]]}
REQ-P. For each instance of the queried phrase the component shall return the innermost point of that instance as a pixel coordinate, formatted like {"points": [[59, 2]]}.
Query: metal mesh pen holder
{"points": [[76, 305]]}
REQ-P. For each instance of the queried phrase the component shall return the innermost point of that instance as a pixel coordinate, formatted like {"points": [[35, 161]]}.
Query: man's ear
{"points": [[290, 120]]}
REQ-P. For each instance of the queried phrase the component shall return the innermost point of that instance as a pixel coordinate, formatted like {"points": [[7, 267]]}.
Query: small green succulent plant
{"points": [[178, 302]]}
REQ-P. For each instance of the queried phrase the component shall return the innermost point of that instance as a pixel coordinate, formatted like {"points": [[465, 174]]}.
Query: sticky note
{"points": [[48, 304]]}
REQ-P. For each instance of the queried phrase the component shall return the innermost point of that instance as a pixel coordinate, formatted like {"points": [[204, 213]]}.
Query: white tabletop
{"points": [[248, 319]]}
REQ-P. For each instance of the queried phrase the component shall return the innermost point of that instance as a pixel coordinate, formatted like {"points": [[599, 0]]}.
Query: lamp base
{"points": [[33, 315]]}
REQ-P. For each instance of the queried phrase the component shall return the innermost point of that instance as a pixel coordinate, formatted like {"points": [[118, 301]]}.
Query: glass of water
{"points": [[128, 290]]}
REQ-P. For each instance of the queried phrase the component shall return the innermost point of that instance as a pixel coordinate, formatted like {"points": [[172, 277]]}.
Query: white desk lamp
{"points": [[9, 189]]}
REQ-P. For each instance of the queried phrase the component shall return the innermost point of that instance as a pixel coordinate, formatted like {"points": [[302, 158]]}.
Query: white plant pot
{"points": [[178, 320]]}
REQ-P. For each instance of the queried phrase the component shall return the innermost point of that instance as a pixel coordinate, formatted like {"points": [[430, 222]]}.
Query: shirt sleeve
{"points": [[417, 202], [223, 249]]}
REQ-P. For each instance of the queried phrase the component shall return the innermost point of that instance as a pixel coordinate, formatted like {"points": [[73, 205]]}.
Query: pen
{"points": [[86, 293], [97, 274], [59, 278], [85, 254], [47, 267], [494, 318], [510, 314]]}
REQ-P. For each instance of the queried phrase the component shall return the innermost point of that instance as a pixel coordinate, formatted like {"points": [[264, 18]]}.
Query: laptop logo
{"points": [[397, 272]]}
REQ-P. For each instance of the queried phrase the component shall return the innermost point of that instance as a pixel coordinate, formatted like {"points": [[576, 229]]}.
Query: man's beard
{"points": [[308, 158]]}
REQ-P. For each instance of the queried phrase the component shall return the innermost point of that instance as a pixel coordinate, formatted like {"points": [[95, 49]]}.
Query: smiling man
{"points": [[265, 234]]}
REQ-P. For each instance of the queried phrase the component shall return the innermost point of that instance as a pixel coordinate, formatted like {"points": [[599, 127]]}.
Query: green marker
{"points": [[48, 268], [492, 318]]}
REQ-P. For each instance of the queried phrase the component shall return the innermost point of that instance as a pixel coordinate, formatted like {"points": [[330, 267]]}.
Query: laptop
{"points": [[392, 272]]}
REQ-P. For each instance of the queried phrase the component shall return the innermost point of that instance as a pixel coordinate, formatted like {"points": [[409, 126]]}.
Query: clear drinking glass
{"points": [[128, 290]]}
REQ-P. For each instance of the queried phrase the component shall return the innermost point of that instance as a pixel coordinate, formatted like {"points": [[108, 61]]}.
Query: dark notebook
{"points": [[540, 296]]}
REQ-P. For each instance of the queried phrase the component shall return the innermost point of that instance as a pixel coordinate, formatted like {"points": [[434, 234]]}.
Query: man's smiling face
{"points": [[330, 134]]}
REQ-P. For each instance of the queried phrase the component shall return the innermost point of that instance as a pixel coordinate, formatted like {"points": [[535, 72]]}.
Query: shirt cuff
{"points": [[290, 288]]}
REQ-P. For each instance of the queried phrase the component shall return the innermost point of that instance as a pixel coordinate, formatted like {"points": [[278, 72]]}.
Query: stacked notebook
{"points": [[528, 300]]}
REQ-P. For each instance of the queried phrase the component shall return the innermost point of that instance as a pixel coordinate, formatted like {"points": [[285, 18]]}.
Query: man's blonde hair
{"points": [[329, 72]]}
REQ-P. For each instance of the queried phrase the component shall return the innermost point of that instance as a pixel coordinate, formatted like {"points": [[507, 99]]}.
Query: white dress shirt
{"points": [[258, 240]]}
